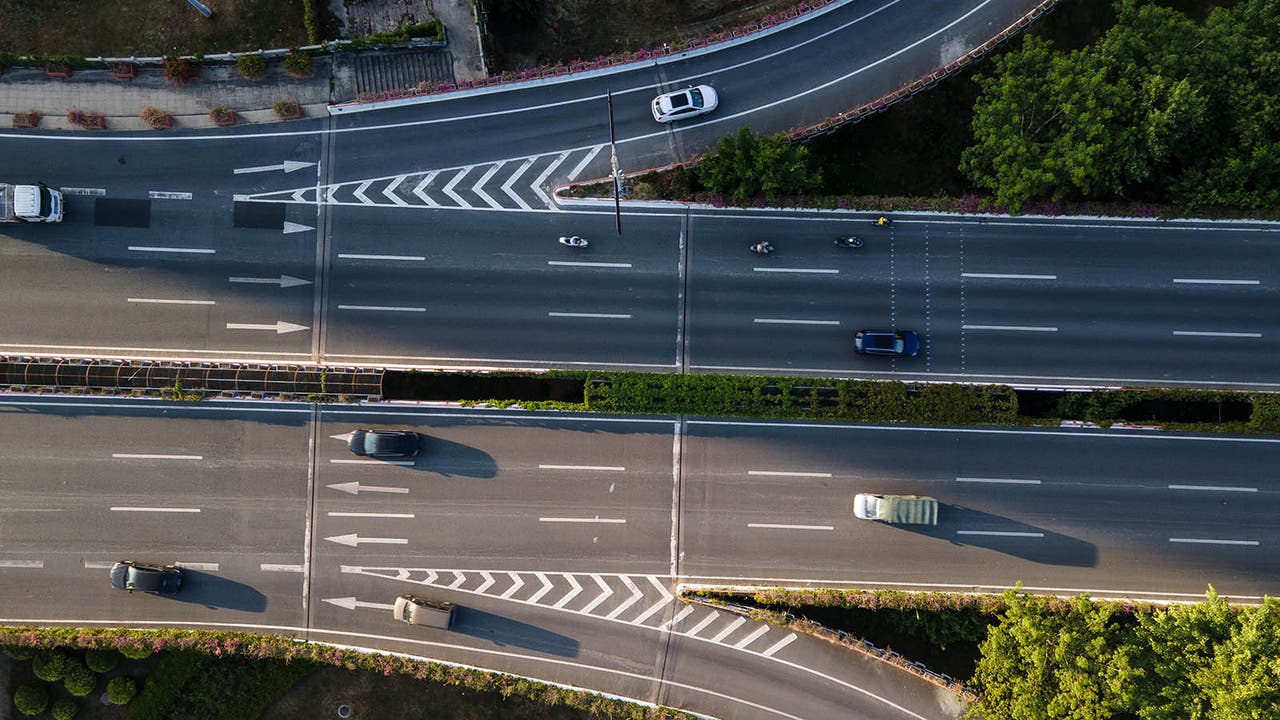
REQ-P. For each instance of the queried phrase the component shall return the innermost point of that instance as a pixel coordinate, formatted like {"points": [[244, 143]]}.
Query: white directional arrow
{"points": [[354, 540], [351, 603], [283, 281], [355, 488], [293, 227], [287, 166], [281, 327]]}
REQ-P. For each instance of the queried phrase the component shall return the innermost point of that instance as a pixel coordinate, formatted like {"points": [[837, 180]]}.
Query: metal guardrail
{"points": [[251, 380]]}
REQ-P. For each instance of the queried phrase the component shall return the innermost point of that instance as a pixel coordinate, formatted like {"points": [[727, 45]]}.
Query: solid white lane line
{"points": [[710, 618], [163, 301], [785, 473], [1207, 541], [403, 463], [1198, 333], [818, 271], [773, 526], [133, 456], [779, 645], [272, 567], [153, 248], [1020, 328], [1214, 281], [686, 612], [1006, 481], [602, 468], [786, 321], [382, 308], [608, 316], [1222, 488], [615, 521], [397, 258], [997, 533], [371, 515], [132, 508], [572, 263], [748, 639], [1008, 276], [732, 626], [34, 564], [165, 195], [207, 567]]}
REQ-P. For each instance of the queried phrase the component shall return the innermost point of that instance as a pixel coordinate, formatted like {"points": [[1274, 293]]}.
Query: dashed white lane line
{"points": [[342, 461], [207, 567], [600, 468], [605, 316], [998, 533], [33, 564], [395, 258], [789, 321], [773, 526], [382, 308], [571, 263], [729, 629], [371, 515], [155, 248], [1015, 328], [1211, 541], [711, 617], [788, 473], [1005, 481], [168, 195], [1206, 333], [779, 645], [1215, 281], [166, 301], [272, 567], [1007, 276], [98, 564], [815, 271], [137, 508], [97, 192], [140, 456], [610, 521], [1219, 488], [744, 642]]}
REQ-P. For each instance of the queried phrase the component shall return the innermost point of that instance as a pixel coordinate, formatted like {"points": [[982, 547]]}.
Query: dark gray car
{"points": [[145, 577], [385, 443]]}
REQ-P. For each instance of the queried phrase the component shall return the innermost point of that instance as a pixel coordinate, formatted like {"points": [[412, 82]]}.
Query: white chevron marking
{"points": [[431, 578], [506, 186], [779, 645], [420, 191], [458, 582], [488, 580], [686, 612], [537, 184], [328, 194], [546, 588], [747, 640], [654, 608], [710, 618], [448, 188], [390, 191], [359, 193], [478, 188], [732, 626], [300, 195], [605, 592], [569, 595], [519, 583], [635, 597], [590, 156]]}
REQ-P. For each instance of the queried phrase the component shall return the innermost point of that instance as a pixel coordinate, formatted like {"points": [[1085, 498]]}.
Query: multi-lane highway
{"points": [[563, 537]]}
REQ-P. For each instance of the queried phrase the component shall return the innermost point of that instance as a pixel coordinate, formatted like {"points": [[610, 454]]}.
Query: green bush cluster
{"points": [[826, 399], [31, 698], [120, 690], [50, 666], [139, 651], [78, 679], [252, 66], [64, 709], [298, 63], [172, 672], [102, 661]]}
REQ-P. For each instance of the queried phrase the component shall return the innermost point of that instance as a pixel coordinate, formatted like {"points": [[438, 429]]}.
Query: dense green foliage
{"points": [[1161, 107], [432, 29], [746, 165], [172, 672], [50, 666], [120, 690], [190, 686], [19, 653], [31, 698], [64, 709], [102, 661], [79, 680]]}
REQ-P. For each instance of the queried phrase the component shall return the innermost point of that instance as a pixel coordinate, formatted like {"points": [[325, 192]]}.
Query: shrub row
{"points": [[131, 643], [432, 29]]}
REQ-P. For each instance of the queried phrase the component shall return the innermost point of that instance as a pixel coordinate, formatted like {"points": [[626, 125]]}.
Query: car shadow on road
{"points": [[974, 528], [503, 632], [454, 459], [219, 593]]}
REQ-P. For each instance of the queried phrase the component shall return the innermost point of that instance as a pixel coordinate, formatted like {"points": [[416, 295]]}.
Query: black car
{"points": [[385, 443], [902, 343], [144, 577]]}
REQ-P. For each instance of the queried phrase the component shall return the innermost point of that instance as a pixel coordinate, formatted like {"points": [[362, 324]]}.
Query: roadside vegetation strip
{"points": [[209, 653]]}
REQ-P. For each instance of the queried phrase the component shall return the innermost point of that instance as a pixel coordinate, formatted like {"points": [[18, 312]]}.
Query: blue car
{"points": [[895, 343]]}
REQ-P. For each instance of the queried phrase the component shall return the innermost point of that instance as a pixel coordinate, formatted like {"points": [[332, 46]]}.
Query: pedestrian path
{"points": [[642, 600]]}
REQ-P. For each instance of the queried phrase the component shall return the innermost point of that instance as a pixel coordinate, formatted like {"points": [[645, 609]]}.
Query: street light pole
{"points": [[617, 172]]}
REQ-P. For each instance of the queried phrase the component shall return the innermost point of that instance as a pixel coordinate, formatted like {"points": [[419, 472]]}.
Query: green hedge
{"points": [[102, 661], [1266, 413], [120, 690], [432, 29], [160, 690]]}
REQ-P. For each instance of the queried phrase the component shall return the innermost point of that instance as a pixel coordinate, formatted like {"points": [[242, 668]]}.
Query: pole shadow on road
{"points": [[503, 631]]}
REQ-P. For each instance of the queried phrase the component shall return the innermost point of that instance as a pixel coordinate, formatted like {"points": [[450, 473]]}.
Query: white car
{"points": [[683, 104]]}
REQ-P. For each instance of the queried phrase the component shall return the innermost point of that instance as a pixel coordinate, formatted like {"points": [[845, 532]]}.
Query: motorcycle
{"points": [[853, 241], [573, 241], [883, 221], [763, 248]]}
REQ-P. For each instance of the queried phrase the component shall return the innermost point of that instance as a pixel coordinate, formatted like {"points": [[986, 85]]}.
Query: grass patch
{"points": [[147, 27]]}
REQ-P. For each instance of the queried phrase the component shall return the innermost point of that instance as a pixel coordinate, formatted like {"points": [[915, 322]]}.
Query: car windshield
{"points": [[695, 98]]}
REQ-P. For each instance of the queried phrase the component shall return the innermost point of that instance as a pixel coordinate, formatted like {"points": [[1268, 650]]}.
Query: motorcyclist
{"points": [[882, 221]]}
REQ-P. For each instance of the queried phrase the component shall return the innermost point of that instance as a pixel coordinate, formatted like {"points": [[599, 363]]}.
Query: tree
{"points": [[120, 690], [746, 165], [78, 679], [64, 709], [31, 698], [102, 661], [1040, 664], [1243, 681], [49, 665], [1177, 647]]}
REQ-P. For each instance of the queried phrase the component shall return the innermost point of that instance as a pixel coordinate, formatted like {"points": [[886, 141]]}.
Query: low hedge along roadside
{"points": [[135, 642]]}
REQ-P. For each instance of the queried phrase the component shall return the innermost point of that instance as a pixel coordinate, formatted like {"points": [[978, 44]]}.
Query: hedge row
{"points": [[288, 650]]}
